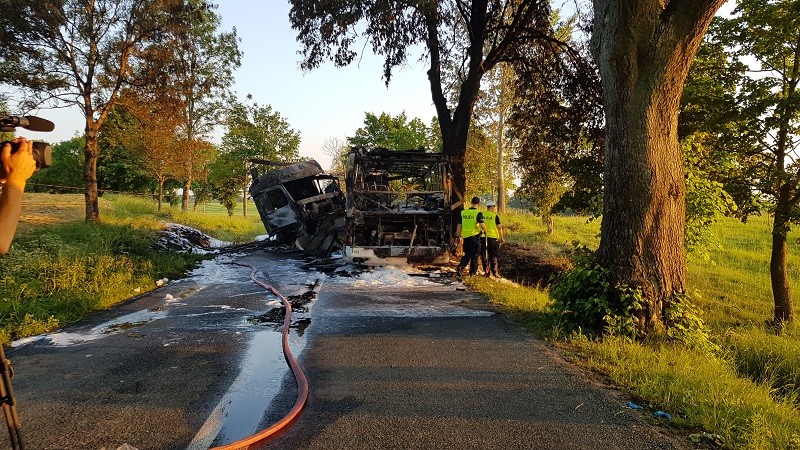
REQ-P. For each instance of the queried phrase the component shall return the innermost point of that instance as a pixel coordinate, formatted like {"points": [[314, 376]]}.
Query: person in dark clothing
{"points": [[469, 232]]}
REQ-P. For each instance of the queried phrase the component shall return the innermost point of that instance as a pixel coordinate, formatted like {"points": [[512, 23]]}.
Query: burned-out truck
{"points": [[397, 207], [300, 203], [395, 210]]}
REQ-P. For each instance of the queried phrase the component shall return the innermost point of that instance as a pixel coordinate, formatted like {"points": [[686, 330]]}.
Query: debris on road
{"points": [[188, 240]]}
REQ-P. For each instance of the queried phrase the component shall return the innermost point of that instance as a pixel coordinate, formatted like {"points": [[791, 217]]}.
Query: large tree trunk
{"points": [[90, 153], [644, 50]]}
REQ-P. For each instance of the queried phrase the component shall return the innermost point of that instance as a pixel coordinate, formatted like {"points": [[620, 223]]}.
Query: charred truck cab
{"points": [[398, 207], [299, 203]]}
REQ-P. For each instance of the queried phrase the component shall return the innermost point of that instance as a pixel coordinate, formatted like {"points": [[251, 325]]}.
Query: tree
{"points": [[710, 129], [79, 53], [66, 171], [764, 35], [556, 127], [479, 163], [120, 166], [256, 132], [392, 132], [643, 49], [337, 149], [147, 131], [200, 61], [476, 35], [225, 181]]}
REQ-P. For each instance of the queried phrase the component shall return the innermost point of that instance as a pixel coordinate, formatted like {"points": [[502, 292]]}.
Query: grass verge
{"points": [[748, 393], [61, 269]]}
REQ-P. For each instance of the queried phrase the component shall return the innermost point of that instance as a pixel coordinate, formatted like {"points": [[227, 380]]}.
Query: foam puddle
{"points": [[114, 326]]}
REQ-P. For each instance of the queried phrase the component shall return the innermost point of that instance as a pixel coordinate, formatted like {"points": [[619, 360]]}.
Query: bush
{"points": [[588, 301]]}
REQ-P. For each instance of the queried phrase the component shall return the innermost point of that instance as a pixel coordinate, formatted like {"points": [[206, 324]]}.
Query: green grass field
{"points": [[748, 393]]}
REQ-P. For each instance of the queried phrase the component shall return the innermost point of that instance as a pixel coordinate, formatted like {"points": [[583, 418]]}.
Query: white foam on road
{"points": [[114, 326]]}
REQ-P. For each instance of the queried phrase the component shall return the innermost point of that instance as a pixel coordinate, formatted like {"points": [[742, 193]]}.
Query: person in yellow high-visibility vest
{"points": [[469, 231], [494, 237]]}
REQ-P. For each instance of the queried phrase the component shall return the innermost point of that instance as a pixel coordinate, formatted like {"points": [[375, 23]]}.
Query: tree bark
{"points": [[90, 153], [160, 193], [644, 50], [187, 186], [779, 275]]}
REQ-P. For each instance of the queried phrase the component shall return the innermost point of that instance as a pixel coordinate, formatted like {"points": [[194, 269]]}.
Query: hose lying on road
{"points": [[300, 377]]}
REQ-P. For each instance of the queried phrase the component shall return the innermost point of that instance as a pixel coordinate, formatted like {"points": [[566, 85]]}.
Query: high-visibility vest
{"points": [[489, 218], [469, 223]]}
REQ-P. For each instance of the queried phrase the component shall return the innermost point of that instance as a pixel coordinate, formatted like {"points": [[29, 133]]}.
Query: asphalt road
{"points": [[433, 368], [392, 362]]}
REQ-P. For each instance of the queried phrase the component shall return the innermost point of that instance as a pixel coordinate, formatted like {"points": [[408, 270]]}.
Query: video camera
{"points": [[42, 153]]}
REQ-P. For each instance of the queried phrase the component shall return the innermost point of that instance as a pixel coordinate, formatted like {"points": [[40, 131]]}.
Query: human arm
{"points": [[481, 223], [18, 167]]}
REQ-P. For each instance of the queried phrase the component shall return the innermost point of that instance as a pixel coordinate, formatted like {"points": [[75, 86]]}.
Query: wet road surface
{"points": [[184, 366], [434, 368], [392, 361]]}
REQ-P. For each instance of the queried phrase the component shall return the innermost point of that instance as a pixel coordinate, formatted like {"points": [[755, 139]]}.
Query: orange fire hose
{"points": [[300, 378]]}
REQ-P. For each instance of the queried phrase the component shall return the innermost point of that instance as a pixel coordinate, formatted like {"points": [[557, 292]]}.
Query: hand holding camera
{"points": [[21, 149], [18, 163]]}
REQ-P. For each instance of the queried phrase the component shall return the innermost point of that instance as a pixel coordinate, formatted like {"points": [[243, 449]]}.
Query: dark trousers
{"points": [[491, 264], [472, 248]]}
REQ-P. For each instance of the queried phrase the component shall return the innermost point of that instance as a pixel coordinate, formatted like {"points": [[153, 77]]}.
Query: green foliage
{"points": [[481, 163], [120, 166], [684, 324], [254, 132], [392, 132], [706, 201], [66, 170], [587, 300]]}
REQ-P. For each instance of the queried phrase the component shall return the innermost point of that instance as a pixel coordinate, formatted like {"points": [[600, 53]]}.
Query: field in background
{"points": [[42, 209]]}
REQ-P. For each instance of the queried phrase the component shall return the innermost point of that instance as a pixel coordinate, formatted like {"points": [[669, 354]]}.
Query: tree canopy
{"points": [[463, 40], [392, 132], [80, 53], [253, 132]]}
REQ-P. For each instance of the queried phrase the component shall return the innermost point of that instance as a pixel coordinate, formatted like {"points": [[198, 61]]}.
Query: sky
{"points": [[327, 102]]}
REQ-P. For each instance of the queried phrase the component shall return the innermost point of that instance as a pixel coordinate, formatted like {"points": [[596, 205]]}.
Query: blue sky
{"points": [[324, 103]]}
